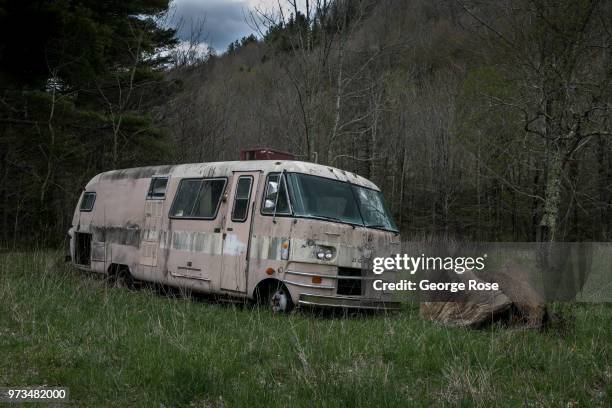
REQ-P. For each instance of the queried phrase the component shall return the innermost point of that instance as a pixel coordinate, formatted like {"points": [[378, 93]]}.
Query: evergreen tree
{"points": [[78, 82]]}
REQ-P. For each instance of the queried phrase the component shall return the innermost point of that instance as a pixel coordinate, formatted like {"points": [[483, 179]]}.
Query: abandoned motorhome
{"points": [[279, 231]]}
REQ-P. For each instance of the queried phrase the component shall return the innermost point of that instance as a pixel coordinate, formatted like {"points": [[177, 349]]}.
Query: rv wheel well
{"points": [[263, 289], [114, 269], [119, 275]]}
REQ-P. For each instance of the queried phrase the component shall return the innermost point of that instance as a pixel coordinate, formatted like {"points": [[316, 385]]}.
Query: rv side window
{"points": [[198, 198], [276, 196], [88, 201], [157, 188], [240, 212]]}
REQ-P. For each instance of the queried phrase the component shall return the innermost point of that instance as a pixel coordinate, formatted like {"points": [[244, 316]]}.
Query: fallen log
{"points": [[517, 302]]}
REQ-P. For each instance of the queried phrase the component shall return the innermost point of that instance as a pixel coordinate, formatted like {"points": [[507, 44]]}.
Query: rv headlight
{"points": [[325, 253]]}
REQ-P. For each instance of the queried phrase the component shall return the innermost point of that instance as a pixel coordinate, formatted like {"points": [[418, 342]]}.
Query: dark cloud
{"points": [[223, 20]]}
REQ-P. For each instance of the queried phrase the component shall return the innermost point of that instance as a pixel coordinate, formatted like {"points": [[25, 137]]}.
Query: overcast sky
{"points": [[224, 20]]}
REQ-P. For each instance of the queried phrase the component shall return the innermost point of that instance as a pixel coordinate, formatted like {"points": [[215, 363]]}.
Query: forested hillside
{"points": [[477, 119]]}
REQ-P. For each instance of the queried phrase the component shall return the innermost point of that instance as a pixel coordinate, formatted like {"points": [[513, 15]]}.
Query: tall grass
{"points": [[110, 346]]}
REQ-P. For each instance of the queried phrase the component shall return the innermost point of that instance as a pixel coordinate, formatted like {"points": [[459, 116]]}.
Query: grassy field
{"points": [[109, 346]]}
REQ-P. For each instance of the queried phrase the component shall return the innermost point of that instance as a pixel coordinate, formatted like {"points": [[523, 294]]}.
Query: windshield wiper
{"points": [[323, 217], [385, 227]]}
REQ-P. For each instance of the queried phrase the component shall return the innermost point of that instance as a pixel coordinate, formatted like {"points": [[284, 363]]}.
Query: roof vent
{"points": [[265, 154]]}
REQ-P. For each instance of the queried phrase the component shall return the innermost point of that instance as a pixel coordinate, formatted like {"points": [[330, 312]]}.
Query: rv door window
{"points": [[198, 198], [157, 188], [276, 196], [240, 212], [88, 201]]}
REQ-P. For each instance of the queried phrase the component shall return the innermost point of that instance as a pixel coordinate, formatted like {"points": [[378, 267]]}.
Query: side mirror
{"points": [[272, 188], [268, 204]]}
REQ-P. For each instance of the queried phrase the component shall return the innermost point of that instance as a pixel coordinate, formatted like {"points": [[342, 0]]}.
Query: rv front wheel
{"points": [[279, 300]]}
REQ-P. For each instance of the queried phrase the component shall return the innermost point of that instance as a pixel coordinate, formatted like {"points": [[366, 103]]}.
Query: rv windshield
{"points": [[323, 198]]}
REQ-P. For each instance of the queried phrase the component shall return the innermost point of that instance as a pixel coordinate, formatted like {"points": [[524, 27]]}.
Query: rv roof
{"points": [[223, 169]]}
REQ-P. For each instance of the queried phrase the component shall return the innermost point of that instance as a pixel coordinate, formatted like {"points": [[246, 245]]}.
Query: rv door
{"points": [[237, 230], [153, 211]]}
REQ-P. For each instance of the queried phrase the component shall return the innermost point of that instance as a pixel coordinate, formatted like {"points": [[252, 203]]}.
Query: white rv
{"points": [[283, 232]]}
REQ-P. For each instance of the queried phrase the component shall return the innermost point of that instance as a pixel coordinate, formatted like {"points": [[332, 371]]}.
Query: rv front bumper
{"points": [[347, 302]]}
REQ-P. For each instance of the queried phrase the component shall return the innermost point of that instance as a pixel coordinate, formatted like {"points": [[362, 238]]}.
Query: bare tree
{"points": [[553, 56]]}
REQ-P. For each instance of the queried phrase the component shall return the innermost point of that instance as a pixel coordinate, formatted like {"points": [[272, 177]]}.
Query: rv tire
{"points": [[279, 299], [274, 296], [122, 278]]}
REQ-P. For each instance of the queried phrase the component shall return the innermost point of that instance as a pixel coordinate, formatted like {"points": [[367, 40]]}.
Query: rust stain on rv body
{"points": [[196, 253]]}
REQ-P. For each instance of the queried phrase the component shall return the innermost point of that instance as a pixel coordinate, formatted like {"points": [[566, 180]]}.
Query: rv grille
{"points": [[349, 287]]}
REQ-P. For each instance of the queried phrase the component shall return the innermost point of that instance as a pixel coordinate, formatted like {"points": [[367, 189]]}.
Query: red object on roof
{"points": [[265, 154]]}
